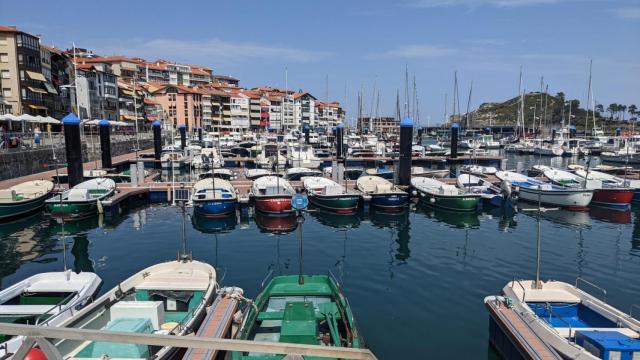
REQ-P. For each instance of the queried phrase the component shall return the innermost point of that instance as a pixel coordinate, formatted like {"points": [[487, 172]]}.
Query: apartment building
{"points": [[131, 102], [182, 105], [225, 79], [96, 92], [304, 109], [125, 68], [240, 114], [165, 72], [329, 114], [379, 125]]}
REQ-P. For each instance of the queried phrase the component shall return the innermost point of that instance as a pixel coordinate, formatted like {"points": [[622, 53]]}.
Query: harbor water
{"points": [[415, 280]]}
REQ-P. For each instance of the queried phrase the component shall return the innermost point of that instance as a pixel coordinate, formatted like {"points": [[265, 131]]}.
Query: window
{"points": [[20, 59], [24, 93], [4, 57], [3, 40], [6, 74], [6, 92]]}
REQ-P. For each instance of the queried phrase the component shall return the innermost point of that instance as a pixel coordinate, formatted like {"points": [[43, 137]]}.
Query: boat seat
{"points": [[564, 331], [296, 325], [446, 189], [24, 309], [7, 195], [318, 289], [97, 349], [78, 195], [381, 188], [547, 295]]}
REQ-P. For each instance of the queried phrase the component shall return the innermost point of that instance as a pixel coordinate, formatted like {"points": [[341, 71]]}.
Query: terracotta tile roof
{"points": [[148, 101], [333, 104], [8, 29], [85, 67], [198, 71], [225, 77]]}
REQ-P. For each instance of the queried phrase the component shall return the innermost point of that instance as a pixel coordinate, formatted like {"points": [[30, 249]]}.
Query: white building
{"points": [[97, 92], [239, 111]]}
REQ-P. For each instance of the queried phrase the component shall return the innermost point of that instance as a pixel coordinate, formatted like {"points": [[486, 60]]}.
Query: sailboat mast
{"points": [[398, 104], [406, 91], [586, 120], [468, 107], [518, 118], [414, 97], [455, 92]]}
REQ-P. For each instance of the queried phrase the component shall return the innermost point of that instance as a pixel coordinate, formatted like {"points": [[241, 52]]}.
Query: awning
{"points": [[37, 90], [36, 76], [38, 107], [50, 88], [127, 92]]}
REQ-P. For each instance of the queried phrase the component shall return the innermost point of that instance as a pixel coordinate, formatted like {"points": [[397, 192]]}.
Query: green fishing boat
{"points": [[82, 200], [307, 309], [329, 195], [24, 198], [445, 196]]}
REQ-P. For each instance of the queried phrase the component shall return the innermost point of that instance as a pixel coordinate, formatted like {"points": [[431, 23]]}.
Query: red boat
{"points": [[615, 198], [272, 195]]}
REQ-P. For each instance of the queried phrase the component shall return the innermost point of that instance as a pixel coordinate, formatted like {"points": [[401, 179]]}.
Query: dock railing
{"points": [[39, 335]]}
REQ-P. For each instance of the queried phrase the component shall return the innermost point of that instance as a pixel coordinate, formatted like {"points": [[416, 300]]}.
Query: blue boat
{"points": [[214, 198], [384, 195]]}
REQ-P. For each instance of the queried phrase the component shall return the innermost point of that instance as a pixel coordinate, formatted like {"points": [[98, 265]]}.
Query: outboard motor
{"points": [[506, 192]]}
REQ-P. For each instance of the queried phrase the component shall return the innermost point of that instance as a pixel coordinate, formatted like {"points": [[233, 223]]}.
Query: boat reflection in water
{"points": [[572, 219], [611, 216], [338, 221], [276, 224], [386, 219], [78, 232], [214, 225], [456, 219], [11, 227], [398, 223], [506, 217]]}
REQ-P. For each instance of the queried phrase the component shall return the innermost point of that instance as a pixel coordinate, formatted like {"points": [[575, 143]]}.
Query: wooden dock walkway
{"points": [[519, 333], [216, 325]]}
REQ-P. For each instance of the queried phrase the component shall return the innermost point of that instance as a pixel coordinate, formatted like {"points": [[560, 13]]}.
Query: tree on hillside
{"points": [[575, 104], [612, 109], [560, 96], [599, 108], [633, 111], [623, 110]]}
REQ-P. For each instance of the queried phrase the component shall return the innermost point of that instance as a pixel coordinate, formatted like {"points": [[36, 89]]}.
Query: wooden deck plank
{"points": [[215, 325]]}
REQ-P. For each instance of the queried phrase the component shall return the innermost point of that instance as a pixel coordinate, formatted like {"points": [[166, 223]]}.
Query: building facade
{"points": [[329, 114], [96, 92], [379, 125]]}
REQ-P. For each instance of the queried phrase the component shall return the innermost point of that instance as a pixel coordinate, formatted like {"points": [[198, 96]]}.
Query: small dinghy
{"points": [[305, 309], [384, 194], [441, 195], [24, 198], [82, 200], [45, 299], [213, 198], [574, 323], [534, 190], [478, 170], [489, 193], [272, 194], [166, 298], [329, 195], [383, 172], [432, 173]]}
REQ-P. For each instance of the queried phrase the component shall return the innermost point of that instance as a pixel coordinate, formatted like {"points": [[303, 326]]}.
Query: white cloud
{"points": [[477, 3], [213, 50], [414, 52], [632, 13]]}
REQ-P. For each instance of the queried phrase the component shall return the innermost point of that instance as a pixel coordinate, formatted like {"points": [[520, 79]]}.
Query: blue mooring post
{"points": [[454, 140], [183, 136], [105, 143], [306, 134], [406, 135], [73, 149], [157, 142], [618, 131]]}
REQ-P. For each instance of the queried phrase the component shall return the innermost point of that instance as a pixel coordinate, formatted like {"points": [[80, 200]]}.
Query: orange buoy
{"points": [[35, 354]]}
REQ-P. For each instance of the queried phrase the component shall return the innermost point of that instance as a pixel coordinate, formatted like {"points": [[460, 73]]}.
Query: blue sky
{"points": [[359, 43]]}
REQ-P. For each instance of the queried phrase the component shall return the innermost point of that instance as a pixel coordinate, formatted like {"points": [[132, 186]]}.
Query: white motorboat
{"points": [[432, 173], [172, 159], [384, 194], [24, 198], [574, 323], [302, 156], [225, 174], [533, 190], [470, 144], [166, 298], [487, 142], [252, 174], [272, 194], [297, 173], [478, 170], [46, 299]]}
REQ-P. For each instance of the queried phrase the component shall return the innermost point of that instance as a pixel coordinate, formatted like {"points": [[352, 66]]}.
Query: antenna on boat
{"points": [[537, 284], [64, 238], [183, 256], [299, 203]]}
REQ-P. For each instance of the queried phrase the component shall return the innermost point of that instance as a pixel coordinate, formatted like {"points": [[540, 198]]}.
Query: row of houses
{"points": [[43, 80]]}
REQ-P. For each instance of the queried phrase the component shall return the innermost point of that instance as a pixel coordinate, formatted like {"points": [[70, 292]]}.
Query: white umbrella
{"points": [[51, 120], [10, 117], [28, 118]]}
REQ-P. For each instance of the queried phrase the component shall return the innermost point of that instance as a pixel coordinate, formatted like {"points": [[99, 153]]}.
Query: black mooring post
{"points": [[454, 140], [406, 135], [306, 134], [200, 135], [105, 143], [157, 142], [73, 149], [339, 139], [183, 136]]}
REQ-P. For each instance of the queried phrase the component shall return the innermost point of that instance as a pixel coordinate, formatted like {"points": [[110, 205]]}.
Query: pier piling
{"points": [[454, 140], [339, 141], [306, 134], [73, 149], [200, 135], [406, 135], [183, 136], [157, 142], [105, 143]]}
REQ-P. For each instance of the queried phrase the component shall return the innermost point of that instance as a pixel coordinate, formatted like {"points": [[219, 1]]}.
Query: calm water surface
{"points": [[415, 280]]}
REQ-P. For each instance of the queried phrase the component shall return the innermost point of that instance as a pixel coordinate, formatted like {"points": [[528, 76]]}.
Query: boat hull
{"points": [[613, 198], [274, 204], [214, 208], [73, 210], [570, 199], [391, 202], [309, 164], [456, 203], [15, 210], [342, 204]]}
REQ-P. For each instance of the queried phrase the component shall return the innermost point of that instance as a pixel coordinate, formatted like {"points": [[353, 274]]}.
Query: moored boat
{"points": [[533, 190], [82, 200], [489, 193], [574, 323], [24, 198], [432, 173], [384, 194], [297, 173], [306, 309], [330, 195], [166, 298], [272, 194], [439, 194], [213, 198], [45, 299]]}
